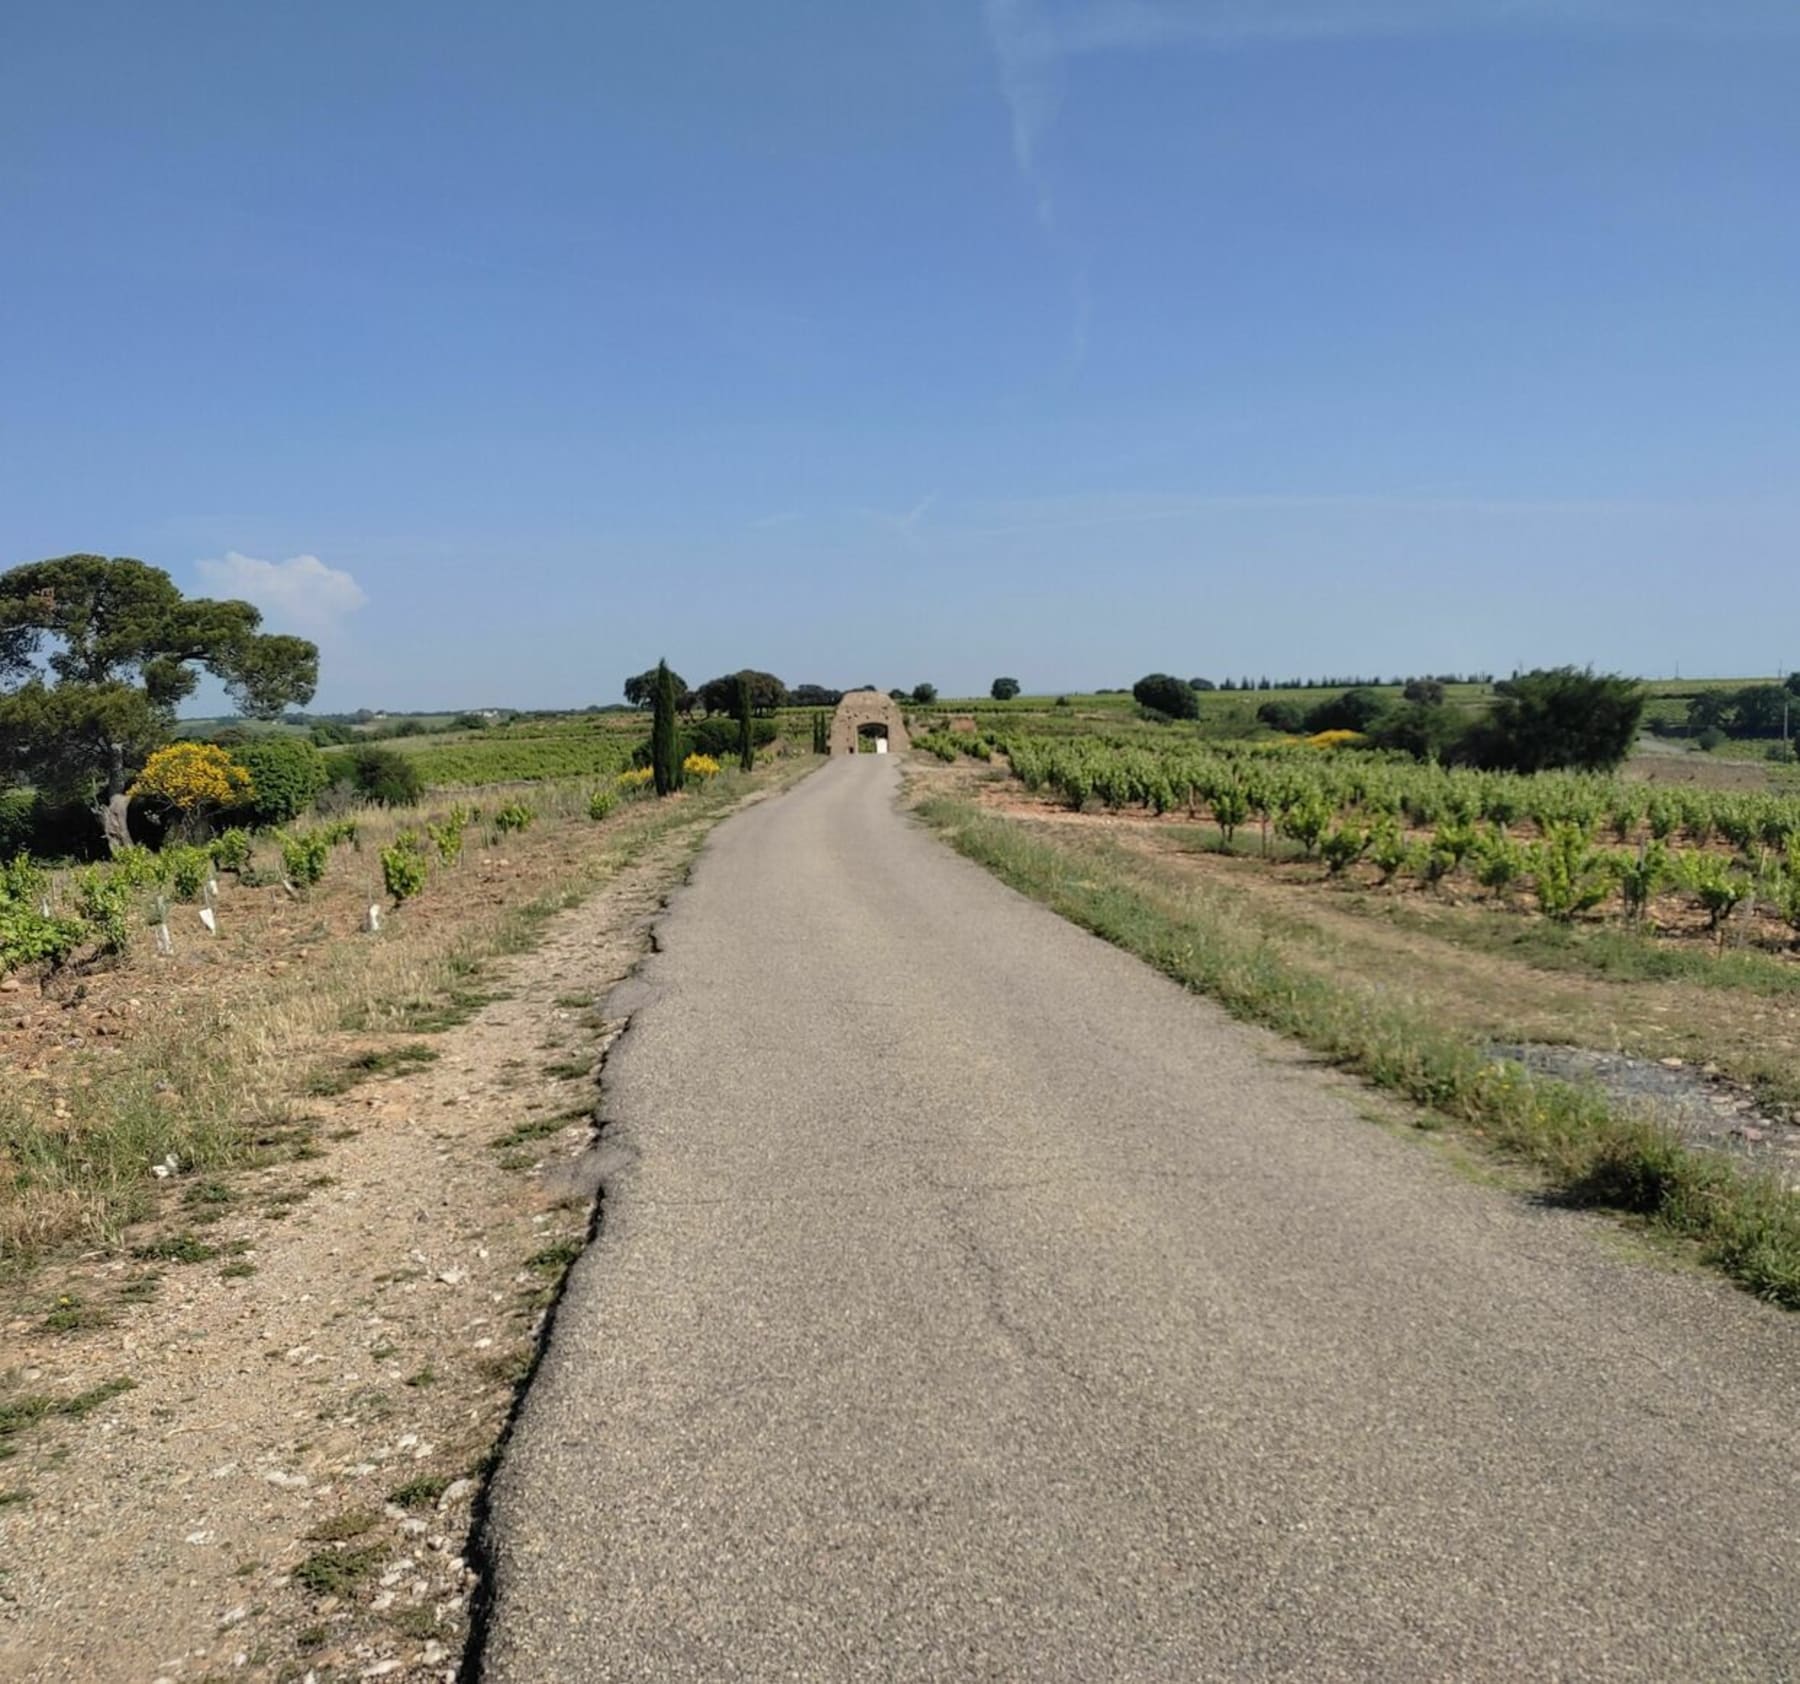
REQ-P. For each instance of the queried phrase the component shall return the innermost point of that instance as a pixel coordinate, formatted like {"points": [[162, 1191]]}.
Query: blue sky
{"points": [[502, 349]]}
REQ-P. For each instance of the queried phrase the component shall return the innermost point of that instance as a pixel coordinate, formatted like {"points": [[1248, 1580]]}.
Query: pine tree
{"points": [[741, 707], [665, 754]]}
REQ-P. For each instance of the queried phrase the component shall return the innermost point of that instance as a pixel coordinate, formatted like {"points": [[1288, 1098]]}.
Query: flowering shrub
{"points": [[700, 766], [636, 780], [192, 779], [1334, 739]]}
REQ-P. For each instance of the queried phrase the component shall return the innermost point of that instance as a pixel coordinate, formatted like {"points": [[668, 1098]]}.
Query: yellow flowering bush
{"points": [[700, 766], [631, 782], [1334, 739], [193, 779]]}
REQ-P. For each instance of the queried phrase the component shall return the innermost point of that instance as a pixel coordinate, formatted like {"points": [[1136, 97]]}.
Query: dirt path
{"points": [[284, 1491]]}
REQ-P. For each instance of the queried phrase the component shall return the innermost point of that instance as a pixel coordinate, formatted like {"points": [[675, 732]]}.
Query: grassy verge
{"points": [[226, 1086], [1214, 942]]}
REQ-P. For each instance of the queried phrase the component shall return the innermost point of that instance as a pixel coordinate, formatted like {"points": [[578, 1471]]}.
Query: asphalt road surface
{"points": [[972, 1303]]}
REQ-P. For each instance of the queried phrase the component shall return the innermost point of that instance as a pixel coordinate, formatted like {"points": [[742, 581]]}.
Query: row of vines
{"points": [[49, 919], [1577, 841]]}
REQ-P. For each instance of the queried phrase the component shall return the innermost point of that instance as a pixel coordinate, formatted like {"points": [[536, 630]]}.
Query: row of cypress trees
{"points": [[665, 739]]}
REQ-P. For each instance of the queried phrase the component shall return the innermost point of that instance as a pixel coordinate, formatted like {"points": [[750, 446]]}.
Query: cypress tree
{"points": [[821, 735], [665, 763], [741, 706]]}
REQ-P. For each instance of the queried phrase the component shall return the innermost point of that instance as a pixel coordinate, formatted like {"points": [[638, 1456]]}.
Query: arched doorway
{"points": [[868, 709], [872, 738]]}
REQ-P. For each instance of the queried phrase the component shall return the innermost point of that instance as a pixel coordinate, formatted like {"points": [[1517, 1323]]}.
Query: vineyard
{"points": [[515, 758], [1568, 844], [52, 919]]}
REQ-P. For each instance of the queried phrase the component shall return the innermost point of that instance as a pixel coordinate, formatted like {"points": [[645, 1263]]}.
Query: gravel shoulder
{"points": [[281, 1484], [972, 1302]]}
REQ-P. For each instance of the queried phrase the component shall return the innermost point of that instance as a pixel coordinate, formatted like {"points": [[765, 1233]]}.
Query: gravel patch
{"points": [[1704, 1107]]}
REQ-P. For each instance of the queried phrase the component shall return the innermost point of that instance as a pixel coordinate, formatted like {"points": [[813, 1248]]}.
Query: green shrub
{"points": [[1163, 693], [601, 803], [1716, 884], [23, 883], [104, 899], [1343, 847], [381, 775], [1641, 875], [18, 821], [1498, 861], [1388, 849], [1305, 821], [287, 774], [27, 937], [448, 840], [1570, 875], [138, 867], [1354, 710], [188, 871], [1230, 807], [515, 815], [303, 857], [231, 850], [403, 868]]}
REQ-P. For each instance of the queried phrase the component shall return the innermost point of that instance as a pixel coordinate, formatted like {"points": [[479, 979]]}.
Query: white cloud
{"points": [[301, 591]]}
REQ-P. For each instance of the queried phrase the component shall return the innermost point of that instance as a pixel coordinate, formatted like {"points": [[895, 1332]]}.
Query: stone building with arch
{"points": [[867, 713]]}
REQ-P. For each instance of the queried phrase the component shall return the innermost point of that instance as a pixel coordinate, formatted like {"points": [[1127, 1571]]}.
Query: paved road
{"points": [[977, 1305]]}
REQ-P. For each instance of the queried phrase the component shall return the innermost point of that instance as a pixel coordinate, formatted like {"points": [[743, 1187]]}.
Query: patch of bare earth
{"points": [[250, 1450]]}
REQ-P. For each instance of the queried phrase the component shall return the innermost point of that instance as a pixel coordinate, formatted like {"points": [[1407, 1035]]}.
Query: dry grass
{"points": [[214, 1064]]}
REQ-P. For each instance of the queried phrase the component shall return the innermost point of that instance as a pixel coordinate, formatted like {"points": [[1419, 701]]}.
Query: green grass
{"points": [[1211, 941], [27, 1409], [336, 1572], [554, 1259], [541, 1128], [384, 1061], [184, 1247], [341, 1528], [73, 1314], [421, 1493]]}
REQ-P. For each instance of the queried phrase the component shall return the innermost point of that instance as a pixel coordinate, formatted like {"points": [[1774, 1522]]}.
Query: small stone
{"points": [[237, 1615], [1672, 1063]]}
